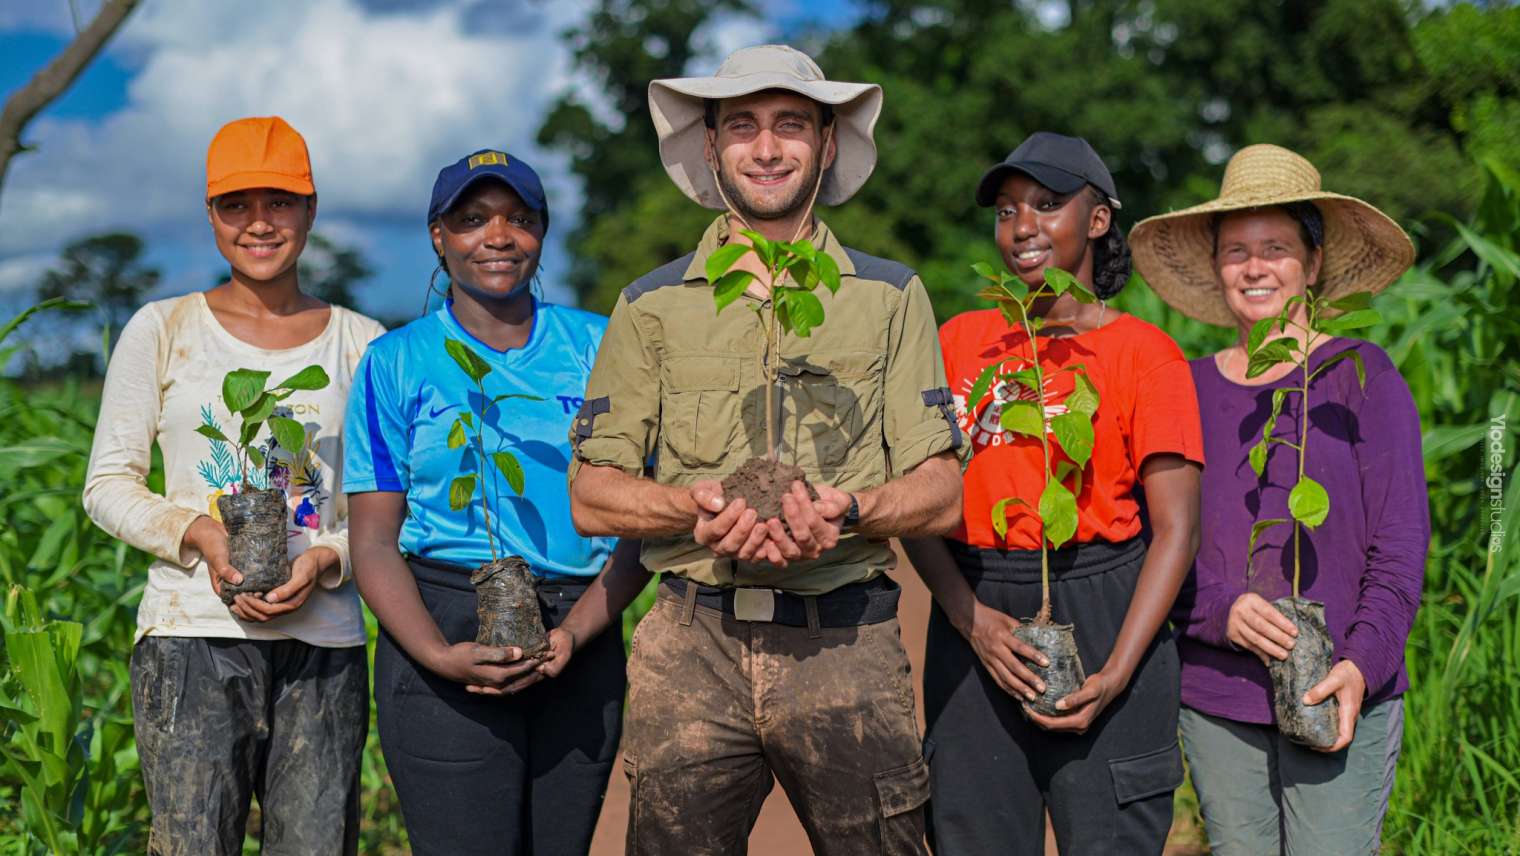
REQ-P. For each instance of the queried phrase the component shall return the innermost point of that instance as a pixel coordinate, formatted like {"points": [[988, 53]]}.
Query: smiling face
{"points": [[770, 151], [1262, 262], [490, 241], [262, 231], [1038, 228]]}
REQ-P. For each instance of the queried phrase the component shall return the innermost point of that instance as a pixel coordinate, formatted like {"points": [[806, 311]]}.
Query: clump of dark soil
{"points": [[1058, 642], [1308, 663], [507, 606], [255, 521], [761, 482]]}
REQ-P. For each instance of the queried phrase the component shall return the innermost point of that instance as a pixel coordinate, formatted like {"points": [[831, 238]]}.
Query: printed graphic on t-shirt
{"points": [[985, 428], [299, 474]]}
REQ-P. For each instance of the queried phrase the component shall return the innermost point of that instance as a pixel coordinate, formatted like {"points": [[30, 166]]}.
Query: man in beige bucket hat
{"points": [[771, 650]]}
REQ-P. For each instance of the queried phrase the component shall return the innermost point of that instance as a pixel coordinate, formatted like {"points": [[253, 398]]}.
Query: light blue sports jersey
{"points": [[406, 396]]}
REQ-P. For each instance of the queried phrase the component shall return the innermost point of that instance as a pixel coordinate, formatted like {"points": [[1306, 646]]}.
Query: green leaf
{"points": [[1351, 302], [1084, 396], [469, 421], [260, 410], [1058, 513], [728, 288], [1271, 354], [1342, 324], [311, 377], [764, 248], [249, 431], [1023, 417], [1061, 281], [1259, 332], [1259, 527], [468, 361], [723, 259], [1446, 440], [984, 271], [212, 433], [255, 457], [512, 469], [805, 311], [60, 303], [1348, 354], [241, 388], [1074, 432], [1000, 514], [983, 383], [827, 271], [1308, 502], [1258, 458], [461, 490], [1067, 468], [290, 434], [456, 434]]}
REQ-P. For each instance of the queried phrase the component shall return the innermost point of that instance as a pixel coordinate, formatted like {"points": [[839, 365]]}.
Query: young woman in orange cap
{"points": [[1106, 763], [266, 695]]}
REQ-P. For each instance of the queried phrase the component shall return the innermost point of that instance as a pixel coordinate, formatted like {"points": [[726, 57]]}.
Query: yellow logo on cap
{"points": [[488, 159]]}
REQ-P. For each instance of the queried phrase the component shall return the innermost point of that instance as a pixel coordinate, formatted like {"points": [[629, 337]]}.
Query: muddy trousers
{"points": [[719, 708], [221, 720], [994, 773], [503, 776]]}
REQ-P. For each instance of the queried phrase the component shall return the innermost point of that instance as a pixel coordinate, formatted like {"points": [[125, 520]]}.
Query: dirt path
{"points": [[778, 832]]}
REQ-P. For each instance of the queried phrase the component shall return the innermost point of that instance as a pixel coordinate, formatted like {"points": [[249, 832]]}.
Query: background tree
{"points": [[106, 270], [329, 270]]}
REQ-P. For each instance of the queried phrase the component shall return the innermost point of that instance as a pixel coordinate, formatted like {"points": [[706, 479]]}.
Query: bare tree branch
{"points": [[49, 83]]}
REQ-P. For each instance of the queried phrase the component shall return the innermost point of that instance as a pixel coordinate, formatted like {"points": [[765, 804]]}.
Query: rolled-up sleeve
{"points": [[1398, 530], [920, 413], [618, 423]]}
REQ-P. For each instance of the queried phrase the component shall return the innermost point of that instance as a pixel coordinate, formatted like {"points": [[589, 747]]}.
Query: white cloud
{"points": [[724, 33], [22, 272]]}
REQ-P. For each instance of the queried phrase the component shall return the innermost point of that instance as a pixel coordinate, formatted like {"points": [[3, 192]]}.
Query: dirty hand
{"points": [[1346, 683], [1258, 627], [480, 667], [304, 570], [815, 525], [561, 647], [729, 528], [1002, 654], [209, 538], [1082, 706]]}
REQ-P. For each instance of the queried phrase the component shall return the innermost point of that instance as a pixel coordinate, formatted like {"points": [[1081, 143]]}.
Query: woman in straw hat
{"points": [[1106, 764], [1271, 236]]}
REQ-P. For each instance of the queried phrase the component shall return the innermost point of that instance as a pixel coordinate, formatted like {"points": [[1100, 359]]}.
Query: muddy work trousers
{"points": [[221, 720], [504, 776], [994, 773], [720, 708]]}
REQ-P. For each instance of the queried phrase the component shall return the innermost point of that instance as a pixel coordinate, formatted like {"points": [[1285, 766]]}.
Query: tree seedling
{"points": [[244, 393]]}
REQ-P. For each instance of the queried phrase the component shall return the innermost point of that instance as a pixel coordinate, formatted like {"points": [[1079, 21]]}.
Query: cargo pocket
{"points": [[900, 795], [831, 402], [699, 408], [1143, 776]]}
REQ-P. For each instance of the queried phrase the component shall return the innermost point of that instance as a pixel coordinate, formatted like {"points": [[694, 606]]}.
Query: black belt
{"points": [[853, 605]]}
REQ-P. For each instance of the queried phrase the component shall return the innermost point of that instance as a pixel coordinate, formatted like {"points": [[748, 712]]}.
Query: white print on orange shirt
{"points": [[986, 429]]}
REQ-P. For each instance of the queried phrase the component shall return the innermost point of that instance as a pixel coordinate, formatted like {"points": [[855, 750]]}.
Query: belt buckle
{"points": [[754, 604]]}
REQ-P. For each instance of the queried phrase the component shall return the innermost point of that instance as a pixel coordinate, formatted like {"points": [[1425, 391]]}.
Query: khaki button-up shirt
{"points": [[861, 401]]}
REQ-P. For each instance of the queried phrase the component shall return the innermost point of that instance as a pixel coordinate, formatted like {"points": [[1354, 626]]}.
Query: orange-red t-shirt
{"points": [[1147, 405]]}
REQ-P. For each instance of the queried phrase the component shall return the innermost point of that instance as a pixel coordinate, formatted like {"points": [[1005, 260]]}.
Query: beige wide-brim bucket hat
{"points": [[1364, 250], [676, 105]]}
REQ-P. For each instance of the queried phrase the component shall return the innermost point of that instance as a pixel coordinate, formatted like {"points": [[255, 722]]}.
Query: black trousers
{"points": [[993, 773], [221, 720], [490, 775]]}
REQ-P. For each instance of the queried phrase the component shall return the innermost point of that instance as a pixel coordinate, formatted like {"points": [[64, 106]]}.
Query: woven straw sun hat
{"points": [[677, 107], [1364, 250]]}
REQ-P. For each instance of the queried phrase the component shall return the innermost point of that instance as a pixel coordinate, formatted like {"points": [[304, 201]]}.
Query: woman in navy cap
{"points": [[1106, 762], [486, 756]]}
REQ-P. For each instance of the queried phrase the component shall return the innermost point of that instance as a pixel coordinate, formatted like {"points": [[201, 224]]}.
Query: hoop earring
{"points": [[427, 298]]}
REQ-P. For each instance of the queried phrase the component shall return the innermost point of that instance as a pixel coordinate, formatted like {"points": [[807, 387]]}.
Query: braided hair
{"points": [[1111, 262]]}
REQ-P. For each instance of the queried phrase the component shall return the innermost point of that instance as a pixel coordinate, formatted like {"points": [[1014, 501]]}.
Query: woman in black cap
{"points": [[485, 758], [1106, 763]]}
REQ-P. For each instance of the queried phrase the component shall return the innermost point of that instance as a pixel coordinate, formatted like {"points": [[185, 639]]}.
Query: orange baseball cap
{"points": [[261, 151]]}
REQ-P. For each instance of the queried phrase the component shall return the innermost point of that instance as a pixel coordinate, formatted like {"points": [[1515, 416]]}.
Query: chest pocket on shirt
{"points": [[699, 407], [832, 409]]}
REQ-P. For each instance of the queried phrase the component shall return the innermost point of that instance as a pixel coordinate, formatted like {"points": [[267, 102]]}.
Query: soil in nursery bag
{"points": [[1064, 674], [1308, 663], [507, 606], [761, 482], [255, 521]]}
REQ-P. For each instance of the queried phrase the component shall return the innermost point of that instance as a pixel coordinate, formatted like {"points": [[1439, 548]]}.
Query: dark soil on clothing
{"points": [[1308, 663], [507, 605], [255, 521], [761, 482], [1058, 642]]}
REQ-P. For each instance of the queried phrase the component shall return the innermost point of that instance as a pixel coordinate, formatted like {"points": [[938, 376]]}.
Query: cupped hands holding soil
{"points": [[256, 546], [507, 606], [761, 482]]}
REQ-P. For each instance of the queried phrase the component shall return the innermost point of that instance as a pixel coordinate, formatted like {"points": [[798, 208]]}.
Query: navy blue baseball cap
{"points": [[1063, 164], [456, 178]]}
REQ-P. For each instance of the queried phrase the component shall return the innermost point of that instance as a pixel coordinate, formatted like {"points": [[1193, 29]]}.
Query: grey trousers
{"points": [[1263, 795]]}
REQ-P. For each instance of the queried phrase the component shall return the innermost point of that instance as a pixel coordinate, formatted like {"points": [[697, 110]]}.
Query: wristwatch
{"points": [[851, 517]]}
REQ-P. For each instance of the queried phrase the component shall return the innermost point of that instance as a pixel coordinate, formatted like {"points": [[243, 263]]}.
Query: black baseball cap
{"points": [[456, 178], [1063, 164]]}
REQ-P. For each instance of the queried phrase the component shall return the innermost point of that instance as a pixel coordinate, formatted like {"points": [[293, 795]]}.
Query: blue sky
{"points": [[385, 91]]}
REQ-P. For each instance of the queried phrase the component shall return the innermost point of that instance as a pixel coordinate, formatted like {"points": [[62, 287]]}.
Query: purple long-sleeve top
{"points": [[1366, 562]]}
